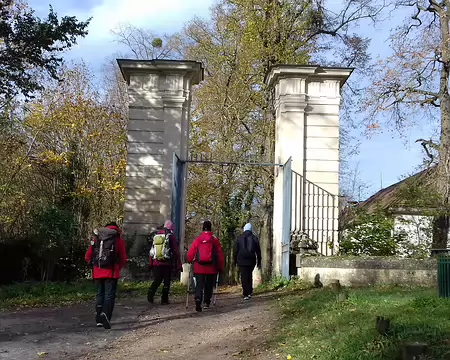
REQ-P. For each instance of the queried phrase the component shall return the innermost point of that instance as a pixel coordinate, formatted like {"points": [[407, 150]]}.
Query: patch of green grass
{"points": [[315, 326], [24, 295]]}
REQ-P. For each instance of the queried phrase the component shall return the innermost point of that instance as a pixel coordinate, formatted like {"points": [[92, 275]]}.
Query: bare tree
{"points": [[144, 44], [413, 85]]}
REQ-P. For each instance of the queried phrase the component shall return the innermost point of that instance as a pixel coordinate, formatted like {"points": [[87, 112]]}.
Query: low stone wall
{"points": [[367, 271]]}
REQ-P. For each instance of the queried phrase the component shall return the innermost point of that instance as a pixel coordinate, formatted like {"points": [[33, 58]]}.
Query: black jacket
{"points": [[242, 256]]}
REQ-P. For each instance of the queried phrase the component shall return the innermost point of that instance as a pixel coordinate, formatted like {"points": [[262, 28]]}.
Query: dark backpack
{"points": [[104, 249], [205, 252], [248, 248]]}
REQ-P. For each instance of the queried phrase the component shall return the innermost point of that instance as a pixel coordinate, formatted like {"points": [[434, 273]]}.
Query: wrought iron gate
{"points": [[309, 211], [313, 215]]}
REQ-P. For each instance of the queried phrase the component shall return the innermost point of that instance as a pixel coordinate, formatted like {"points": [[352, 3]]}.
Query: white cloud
{"points": [[160, 16]]}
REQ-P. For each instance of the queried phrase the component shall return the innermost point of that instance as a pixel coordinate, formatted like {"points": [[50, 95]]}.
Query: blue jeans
{"points": [[106, 296]]}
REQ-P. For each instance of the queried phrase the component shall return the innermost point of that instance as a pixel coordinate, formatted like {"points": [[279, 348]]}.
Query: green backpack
{"points": [[161, 247]]}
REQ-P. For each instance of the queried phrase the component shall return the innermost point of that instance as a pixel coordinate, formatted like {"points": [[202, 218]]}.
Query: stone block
{"points": [[322, 143], [146, 171], [146, 148], [147, 160], [132, 217], [146, 125], [322, 154], [322, 131], [323, 166], [145, 113], [142, 205], [140, 182], [154, 137]]}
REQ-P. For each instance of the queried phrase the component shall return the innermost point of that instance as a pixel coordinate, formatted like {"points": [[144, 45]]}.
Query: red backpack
{"points": [[205, 252]]}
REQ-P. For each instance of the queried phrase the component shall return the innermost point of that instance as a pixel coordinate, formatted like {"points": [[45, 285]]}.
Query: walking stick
{"points": [[189, 286], [217, 286]]}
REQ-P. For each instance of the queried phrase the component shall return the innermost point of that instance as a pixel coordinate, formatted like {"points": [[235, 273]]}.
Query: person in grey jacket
{"points": [[247, 254]]}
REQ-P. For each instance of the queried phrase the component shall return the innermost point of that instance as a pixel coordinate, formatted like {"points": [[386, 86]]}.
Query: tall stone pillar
{"points": [[307, 104], [159, 109]]}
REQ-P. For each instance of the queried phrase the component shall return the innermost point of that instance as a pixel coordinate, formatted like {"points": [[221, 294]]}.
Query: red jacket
{"points": [[99, 273], [206, 269], [176, 258]]}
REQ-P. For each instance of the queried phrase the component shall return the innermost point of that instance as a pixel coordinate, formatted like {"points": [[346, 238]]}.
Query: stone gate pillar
{"points": [[159, 94], [307, 104]]}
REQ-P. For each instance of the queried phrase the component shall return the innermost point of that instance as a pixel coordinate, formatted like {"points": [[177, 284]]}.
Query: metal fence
{"points": [[314, 215]]}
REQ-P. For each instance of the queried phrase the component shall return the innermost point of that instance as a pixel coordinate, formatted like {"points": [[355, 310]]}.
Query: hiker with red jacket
{"points": [[164, 257], [207, 255], [108, 256]]}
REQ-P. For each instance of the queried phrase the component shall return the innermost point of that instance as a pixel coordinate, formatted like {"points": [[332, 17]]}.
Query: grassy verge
{"points": [[315, 326], [55, 294]]}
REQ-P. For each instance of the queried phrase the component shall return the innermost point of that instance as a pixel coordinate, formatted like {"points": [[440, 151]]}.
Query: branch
{"points": [[425, 144]]}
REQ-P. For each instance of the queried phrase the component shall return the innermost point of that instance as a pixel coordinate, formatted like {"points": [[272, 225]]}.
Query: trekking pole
{"points": [[189, 286], [217, 286]]}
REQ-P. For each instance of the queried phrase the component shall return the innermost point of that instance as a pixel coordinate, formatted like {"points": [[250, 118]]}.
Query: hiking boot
{"points": [[164, 302], [246, 298], [98, 320], [198, 306], [105, 321], [206, 305], [150, 298]]}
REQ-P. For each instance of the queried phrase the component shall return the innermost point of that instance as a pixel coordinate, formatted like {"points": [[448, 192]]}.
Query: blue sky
{"points": [[384, 156]]}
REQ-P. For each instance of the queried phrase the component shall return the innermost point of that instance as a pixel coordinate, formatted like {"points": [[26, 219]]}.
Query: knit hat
{"points": [[168, 225], [248, 227]]}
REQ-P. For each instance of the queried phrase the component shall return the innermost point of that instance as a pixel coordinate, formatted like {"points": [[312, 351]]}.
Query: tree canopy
{"points": [[30, 44]]}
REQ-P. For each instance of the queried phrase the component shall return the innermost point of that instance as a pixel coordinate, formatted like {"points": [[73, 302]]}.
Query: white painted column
{"points": [[307, 100], [159, 111]]}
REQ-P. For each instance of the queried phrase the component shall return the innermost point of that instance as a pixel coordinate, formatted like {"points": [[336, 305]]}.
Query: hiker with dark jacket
{"points": [[207, 255], [108, 256], [247, 254], [164, 257]]}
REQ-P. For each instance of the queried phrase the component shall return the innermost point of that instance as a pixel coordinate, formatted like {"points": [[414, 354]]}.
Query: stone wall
{"points": [[367, 271]]}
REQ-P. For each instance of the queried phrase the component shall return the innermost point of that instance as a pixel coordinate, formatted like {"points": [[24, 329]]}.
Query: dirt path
{"points": [[232, 329]]}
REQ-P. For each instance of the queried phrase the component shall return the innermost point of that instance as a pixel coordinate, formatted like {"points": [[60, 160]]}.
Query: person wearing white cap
{"points": [[247, 254]]}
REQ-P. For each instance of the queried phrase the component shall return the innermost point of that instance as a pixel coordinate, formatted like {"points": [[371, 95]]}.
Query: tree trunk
{"points": [[440, 232], [441, 222]]}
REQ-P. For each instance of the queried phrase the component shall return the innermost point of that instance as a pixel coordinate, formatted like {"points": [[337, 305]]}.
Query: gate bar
{"points": [[228, 163]]}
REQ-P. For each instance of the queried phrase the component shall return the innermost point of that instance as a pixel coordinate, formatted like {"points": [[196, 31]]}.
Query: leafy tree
{"points": [[54, 232], [65, 156], [30, 45], [78, 148], [370, 234]]}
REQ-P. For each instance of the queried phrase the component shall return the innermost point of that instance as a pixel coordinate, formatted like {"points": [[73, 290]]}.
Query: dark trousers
{"points": [[204, 287], [106, 296], [246, 279], [161, 274]]}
